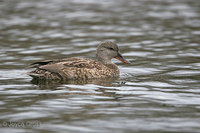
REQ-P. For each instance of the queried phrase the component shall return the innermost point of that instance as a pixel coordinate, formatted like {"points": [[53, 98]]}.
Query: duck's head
{"points": [[108, 50]]}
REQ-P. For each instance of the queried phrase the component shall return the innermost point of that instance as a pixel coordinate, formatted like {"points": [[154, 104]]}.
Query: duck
{"points": [[81, 68]]}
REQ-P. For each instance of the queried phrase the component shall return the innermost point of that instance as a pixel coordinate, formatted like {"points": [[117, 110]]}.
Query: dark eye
{"points": [[111, 48]]}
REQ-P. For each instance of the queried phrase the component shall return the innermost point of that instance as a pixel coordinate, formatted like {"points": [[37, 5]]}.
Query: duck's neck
{"points": [[103, 60]]}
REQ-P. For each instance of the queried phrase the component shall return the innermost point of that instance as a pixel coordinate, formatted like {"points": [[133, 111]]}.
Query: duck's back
{"points": [[73, 68]]}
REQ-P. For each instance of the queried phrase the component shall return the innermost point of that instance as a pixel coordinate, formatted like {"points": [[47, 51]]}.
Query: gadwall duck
{"points": [[81, 68]]}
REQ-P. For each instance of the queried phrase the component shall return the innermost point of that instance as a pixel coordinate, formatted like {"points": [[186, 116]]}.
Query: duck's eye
{"points": [[111, 48]]}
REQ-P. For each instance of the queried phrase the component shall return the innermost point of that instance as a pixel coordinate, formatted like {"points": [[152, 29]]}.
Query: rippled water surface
{"points": [[158, 92]]}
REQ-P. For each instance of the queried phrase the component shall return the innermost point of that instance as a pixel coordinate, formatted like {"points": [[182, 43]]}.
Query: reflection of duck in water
{"points": [[81, 68]]}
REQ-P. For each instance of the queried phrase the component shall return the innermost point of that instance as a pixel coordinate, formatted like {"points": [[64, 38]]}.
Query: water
{"points": [[158, 92]]}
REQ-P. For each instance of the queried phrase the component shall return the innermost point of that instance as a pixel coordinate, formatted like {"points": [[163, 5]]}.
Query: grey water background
{"points": [[158, 92]]}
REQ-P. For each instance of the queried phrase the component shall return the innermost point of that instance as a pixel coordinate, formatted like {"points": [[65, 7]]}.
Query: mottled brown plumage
{"points": [[81, 68]]}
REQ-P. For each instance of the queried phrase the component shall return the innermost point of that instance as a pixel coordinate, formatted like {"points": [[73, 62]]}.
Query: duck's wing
{"points": [[70, 63], [69, 68], [38, 64], [48, 62]]}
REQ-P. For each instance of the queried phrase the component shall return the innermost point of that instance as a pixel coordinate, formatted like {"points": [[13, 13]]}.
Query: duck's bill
{"points": [[122, 59]]}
